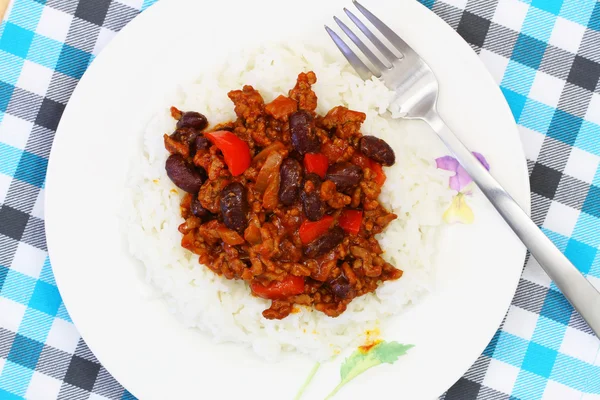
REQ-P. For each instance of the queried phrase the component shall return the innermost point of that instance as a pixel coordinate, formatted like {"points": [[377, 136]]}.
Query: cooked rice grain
{"points": [[415, 190]]}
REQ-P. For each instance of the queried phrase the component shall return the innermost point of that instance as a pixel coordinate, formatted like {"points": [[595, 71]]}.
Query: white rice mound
{"points": [[415, 190]]}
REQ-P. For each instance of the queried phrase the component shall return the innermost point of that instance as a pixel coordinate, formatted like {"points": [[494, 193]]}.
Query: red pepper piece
{"points": [[317, 163], [350, 221], [309, 230], [380, 178], [365, 162], [290, 286], [235, 151]]}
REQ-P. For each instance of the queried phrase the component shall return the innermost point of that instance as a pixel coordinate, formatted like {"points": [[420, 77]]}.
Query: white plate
{"points": [[144, 346]]}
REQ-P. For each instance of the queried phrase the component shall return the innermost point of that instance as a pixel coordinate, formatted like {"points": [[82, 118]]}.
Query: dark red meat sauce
{"points": [[284, 198]]}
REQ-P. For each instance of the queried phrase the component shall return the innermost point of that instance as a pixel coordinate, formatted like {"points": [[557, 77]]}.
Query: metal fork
{"points": [[417, 89]]}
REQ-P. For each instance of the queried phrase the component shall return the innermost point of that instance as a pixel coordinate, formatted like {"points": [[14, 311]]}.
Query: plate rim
{"points": [[154, 9]]}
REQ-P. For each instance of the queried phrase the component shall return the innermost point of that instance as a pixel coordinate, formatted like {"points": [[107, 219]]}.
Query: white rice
{"points": [[415, 190]]}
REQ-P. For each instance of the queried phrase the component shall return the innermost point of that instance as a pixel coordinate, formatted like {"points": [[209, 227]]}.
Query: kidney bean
{"points": [[183, 175], [192, 119], [313, 207], [302, 129], [227, 126], [340, 287], [296, 156], [234, 207], [378, 150], [185, 136], [291, 180], [325, 243], [201, 143], [344, 174], [314, 179], [197, 209]]}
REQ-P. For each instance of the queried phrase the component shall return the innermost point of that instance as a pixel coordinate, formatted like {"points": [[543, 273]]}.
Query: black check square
{"points": [[12, 222], [473, 28], [93, 11], [584, 73], [50, 114], [544, 180], [463, 389], [82, 373]]}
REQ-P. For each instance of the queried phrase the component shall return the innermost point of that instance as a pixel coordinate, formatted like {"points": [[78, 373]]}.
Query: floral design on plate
{"points": [[363, 359], [459, 211]]}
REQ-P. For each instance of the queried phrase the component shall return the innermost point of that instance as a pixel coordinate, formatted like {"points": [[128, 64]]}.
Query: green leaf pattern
{"points": [[356, 364], [388, 352], [362, 360]]}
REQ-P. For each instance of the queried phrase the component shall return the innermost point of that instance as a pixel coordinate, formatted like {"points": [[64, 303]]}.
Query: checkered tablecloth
{"points": [[544, 54]]}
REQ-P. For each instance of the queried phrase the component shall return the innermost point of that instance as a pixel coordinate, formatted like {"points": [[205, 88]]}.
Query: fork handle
{"points": [[576, 288]]}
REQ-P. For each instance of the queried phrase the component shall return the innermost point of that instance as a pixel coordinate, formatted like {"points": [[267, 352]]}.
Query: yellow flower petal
{"points": [[459, 211]]}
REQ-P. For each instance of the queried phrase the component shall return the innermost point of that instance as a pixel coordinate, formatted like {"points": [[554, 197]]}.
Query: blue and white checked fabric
{"points": [[45, 47], [544, 54]]}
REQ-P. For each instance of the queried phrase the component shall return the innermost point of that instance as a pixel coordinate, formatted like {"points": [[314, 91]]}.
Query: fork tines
{"points": [[378, 66]]}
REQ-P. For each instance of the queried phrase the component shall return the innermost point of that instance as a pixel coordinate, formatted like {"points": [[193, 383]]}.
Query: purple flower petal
{"points": [[460, 180], [482, 160], [454, 183], [447, 163]]}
